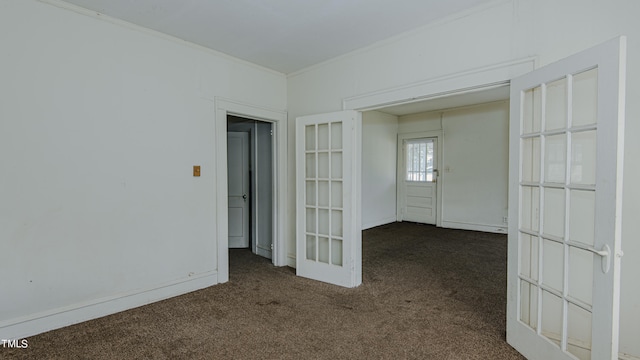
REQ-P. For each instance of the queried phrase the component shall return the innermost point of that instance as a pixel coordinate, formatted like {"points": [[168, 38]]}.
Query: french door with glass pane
{"points": [[328, 226], [566, 136]]}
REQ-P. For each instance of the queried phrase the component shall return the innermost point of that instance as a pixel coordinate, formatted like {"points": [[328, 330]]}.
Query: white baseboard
{"points": [[264, 252], [372, 224], [498, 229], [34, 324], [622, 356], [291, 261]]}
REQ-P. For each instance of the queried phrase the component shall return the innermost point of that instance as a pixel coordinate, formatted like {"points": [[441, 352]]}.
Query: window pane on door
{"points": [[419, 158]]}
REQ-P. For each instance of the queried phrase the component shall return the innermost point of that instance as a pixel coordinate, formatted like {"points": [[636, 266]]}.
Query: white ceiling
{"points": [[283, 35]]}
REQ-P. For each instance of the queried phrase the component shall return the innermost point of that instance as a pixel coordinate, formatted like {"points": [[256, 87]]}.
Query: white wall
{"points": [[420, 122], [474, 170], [506, 31], [379, 139], [100, 125]]}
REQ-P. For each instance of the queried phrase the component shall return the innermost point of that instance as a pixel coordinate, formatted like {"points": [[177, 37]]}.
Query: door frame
{"points": [[465, 82], [252, 129], [279, 121], [401, 168]]}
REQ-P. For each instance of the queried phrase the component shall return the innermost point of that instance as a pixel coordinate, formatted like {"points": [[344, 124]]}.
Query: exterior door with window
{"points": [[566, 134], [419, 180]]}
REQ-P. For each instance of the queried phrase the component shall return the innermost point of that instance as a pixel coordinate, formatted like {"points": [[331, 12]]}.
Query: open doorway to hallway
{"points": [[250, 165]]}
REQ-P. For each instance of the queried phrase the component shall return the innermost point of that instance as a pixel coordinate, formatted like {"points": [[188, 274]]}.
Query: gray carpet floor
{"points": [[427, 293]]}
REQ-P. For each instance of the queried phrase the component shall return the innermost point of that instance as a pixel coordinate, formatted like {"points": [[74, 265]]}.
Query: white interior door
{"points": [[238, 182], [328, 227], [419, 180], [565, 184], [262, 190]]}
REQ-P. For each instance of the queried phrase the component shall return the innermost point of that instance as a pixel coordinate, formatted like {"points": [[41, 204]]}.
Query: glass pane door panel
{"points": [[336, 165], [554, 158], [530, 205], [310, 165], [531, 159], [336, 136], [556, 105], [585, 98], [529, 304], [336, 223], [532, 110], [323, 136], [553, 264], [311, 247], [310, 193], [323, 222], [419, 159], [583, 158], [552, 317], [336, 252], [582, 216], [336, 194], [311, 220], [310, 137], [323, 249], [554, 212], [323, 193], [529, 256], [323, 165], [581, 275], [579, 332]]}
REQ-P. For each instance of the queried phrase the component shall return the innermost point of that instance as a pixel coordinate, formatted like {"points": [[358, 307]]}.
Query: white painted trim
{"points": [[291, 261], [34, 324], [473, 80], [278, 118], [623, 356], [498, 229], [401, 169]]}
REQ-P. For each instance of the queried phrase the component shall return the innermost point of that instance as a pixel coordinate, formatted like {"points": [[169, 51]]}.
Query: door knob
{"points": [[605, 253], [244, 196]]}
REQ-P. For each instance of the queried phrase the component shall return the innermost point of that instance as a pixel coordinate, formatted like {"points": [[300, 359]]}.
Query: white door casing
{"points": [[328, 227], [278, 119], [418, 177], [238, 174], [565, 187]]}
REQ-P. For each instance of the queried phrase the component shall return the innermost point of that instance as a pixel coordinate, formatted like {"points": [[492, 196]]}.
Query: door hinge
{"points": [[271, 132], [271, 246]]}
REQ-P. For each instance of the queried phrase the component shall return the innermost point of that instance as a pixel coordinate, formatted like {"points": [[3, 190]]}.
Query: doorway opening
{"points": [[250, 171], [448, 165], [278, 122]]}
